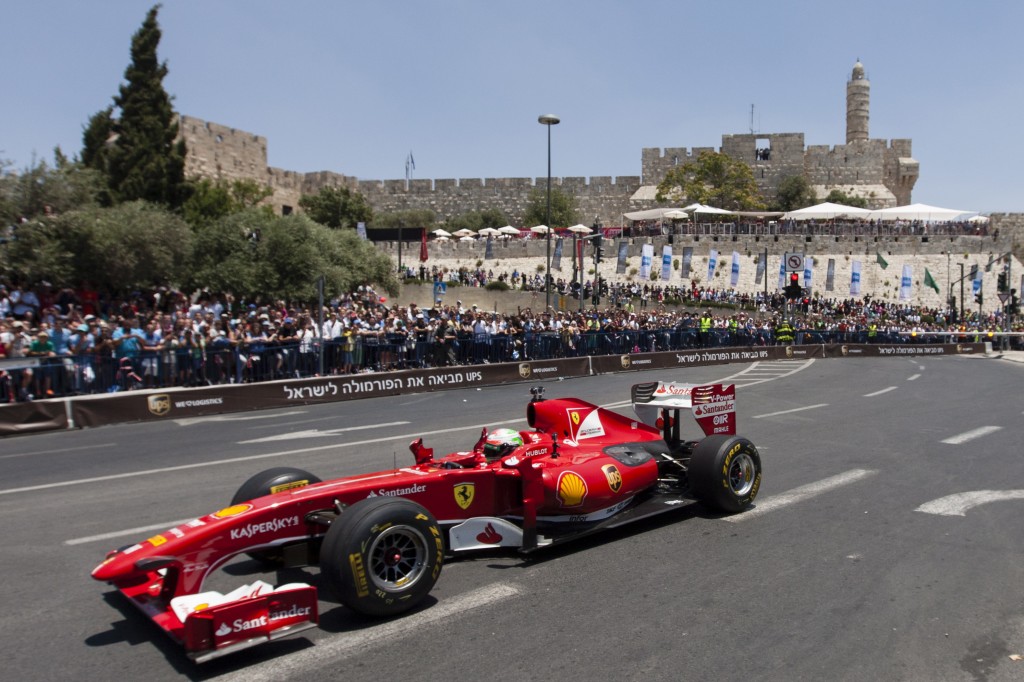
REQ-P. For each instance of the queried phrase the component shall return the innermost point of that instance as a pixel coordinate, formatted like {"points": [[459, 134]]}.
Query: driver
{"points": [[500, 442]]}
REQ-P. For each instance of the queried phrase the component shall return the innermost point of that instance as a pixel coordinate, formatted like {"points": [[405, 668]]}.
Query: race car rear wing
{"points": [[660, 403]]}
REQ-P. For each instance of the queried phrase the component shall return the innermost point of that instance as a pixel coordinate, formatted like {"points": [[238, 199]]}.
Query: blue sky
{"points": [[353, 87]]}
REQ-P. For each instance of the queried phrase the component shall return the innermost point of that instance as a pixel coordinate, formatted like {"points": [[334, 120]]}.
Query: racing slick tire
{"points": [[382, 556], [266, 482], [725, 473]]}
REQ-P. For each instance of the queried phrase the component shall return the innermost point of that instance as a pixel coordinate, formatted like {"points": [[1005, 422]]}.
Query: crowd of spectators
{"points": [[57, 342], [859, 228]]}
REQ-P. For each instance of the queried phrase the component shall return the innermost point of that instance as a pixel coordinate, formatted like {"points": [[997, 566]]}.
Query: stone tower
{"points": [[858, 103]]}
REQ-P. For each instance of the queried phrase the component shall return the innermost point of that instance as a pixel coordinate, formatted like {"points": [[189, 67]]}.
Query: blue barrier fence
{"points": [[63, 376]]}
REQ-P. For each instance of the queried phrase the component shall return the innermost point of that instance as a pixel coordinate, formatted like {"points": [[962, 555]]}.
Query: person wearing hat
{"points": [[42, 347]]}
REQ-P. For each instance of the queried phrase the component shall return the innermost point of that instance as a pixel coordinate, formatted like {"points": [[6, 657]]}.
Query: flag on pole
{"points": [[410, 164], [881, 261], [929, 281], [905, 283], [423, 246]]}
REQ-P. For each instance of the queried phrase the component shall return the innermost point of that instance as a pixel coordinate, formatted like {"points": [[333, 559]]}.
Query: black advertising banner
{"points": [[177, 404], [85, 411], [29, 417], [620, 263]]}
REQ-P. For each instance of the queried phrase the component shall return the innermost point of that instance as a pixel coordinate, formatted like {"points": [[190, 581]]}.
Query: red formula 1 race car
{"points": [[380, 539]]}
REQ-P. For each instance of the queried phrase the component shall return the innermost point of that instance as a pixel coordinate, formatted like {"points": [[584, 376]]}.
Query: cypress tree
{"points": [[139, 151]]}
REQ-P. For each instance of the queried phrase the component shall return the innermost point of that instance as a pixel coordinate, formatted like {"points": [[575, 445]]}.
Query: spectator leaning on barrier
{"points": [[783, 332]]}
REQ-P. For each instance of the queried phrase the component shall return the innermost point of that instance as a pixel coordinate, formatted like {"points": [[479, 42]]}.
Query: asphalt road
{"points": [[855, 564]]}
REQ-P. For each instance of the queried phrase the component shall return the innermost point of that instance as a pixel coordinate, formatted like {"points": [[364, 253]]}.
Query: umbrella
{"points": [[582, 229], [467, 239], [508, 229], [442, 238], [441, 233], [540, 229], [463, 233], [978, 219], [676, 214], [490, 232]]}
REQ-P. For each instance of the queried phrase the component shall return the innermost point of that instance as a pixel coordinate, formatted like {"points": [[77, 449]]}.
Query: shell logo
{"points": [[572, 489], [234, 510]]}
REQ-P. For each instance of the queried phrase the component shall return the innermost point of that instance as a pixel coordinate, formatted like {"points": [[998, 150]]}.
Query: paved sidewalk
{"points": [[1011, 355]]}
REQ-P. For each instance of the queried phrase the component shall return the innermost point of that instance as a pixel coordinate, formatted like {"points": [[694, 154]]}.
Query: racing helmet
{"points": [[500, 441]]}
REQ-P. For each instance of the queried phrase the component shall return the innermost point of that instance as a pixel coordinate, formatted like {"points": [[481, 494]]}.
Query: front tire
{"points": [[269, 482], [725, 473], [382, 556]]}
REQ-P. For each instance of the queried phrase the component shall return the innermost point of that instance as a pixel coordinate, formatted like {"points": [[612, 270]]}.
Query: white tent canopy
{"points": [[540, 229], [826, 211], [649, 214], [701, 208], [580, 228], [508, 229], [922, 212]]}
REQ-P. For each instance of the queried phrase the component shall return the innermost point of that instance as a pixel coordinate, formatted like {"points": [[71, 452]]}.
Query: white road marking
{"points": [[250, 458], [912, 377], [188, 421], [884, 390], [317, 433], [54, 452], [804, 492], [961, 438], [331, 650], [795, 409], [130, 531], [958, 503]]}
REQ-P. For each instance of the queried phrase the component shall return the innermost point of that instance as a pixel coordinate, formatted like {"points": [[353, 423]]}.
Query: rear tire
{"points": [[382, 556], [268, 482], [725, 473]]}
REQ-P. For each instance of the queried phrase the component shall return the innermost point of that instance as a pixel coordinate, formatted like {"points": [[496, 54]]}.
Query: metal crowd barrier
{"points": [[65, 376]]}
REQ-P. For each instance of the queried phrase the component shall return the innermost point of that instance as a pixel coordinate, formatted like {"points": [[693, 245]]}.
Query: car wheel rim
{"points": [[397, 558], [741, 474]]}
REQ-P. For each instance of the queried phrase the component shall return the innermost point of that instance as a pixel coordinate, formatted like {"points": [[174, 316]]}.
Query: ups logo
{"points": [[626, 362], [524, 370], [159, 404]]}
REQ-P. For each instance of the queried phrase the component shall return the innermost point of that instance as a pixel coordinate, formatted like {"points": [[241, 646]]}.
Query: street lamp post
{"points": [[548, 120]]}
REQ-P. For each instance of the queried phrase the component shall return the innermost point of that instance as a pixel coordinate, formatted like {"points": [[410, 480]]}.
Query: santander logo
{"points": [[489, 536]]}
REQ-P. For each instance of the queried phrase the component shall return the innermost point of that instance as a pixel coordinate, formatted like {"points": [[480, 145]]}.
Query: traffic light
{"points": [[1014, 302], [598, 249], [1003, 285], [793, 289], [978, 298]]}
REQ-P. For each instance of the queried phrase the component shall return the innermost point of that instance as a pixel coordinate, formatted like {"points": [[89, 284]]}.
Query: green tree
{"points": [[413, 217], [40, 190], [794, 192], [838, 196], [337, 207], [134, 245], [478, 220], [139, 151], [211, 200], [565, 209], [715, 179], [254, 253]]}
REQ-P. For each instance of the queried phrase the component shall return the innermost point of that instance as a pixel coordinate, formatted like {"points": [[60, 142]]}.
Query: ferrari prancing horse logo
{"points": [[575, 416], [464, 493]]}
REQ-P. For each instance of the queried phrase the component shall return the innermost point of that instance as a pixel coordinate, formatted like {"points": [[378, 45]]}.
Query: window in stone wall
{"points": [[763, 149], [286, 210], [218, 139]]}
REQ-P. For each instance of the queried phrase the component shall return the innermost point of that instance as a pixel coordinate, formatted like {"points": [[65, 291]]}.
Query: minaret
{"points": [[858, 103]]}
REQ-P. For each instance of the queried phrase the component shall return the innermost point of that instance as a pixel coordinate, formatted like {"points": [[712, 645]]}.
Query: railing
{"points": [[27, 378]]}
